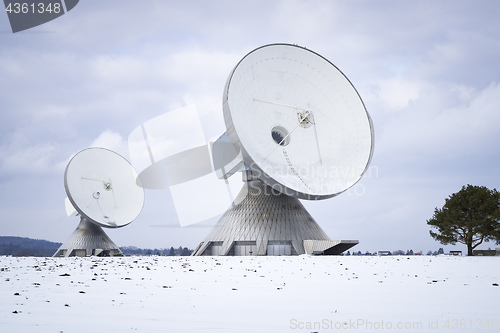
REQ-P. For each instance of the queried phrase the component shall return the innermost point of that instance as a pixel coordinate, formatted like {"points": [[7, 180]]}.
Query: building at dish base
{"points": [[88, 239], [263, 221]]}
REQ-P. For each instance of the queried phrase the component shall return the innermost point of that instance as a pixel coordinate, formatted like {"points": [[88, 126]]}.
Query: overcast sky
{"points": [[428, 72]]}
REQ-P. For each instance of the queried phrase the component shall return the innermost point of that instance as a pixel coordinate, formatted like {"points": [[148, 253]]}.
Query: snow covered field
{"points": [[250, 294]]}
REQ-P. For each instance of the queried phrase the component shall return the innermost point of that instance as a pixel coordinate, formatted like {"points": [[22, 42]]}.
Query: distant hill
{"points": [[24, 247], [28, 247]]}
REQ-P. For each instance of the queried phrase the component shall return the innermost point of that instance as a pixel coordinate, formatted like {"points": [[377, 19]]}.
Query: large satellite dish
{"points": [[302, 132], [299, 122], [105, 191]]}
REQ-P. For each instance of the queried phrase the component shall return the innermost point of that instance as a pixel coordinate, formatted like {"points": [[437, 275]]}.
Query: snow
{"points": [[250, 294]]}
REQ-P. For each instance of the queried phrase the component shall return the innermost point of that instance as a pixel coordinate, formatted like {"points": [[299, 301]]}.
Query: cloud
{"points": [[32, 159], [467, 127], [112, 141], [397, 93]]}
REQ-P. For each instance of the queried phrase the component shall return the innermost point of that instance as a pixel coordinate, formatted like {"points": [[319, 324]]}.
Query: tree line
{"points": [[27, 247], [180, 251]]}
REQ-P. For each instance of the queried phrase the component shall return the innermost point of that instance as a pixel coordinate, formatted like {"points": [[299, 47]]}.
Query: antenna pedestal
{"points": [[263, 221], [88, 239]]}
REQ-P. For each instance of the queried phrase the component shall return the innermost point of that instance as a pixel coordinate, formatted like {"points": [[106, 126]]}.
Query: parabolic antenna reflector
{"points": [[299, 122], [102, 186]]}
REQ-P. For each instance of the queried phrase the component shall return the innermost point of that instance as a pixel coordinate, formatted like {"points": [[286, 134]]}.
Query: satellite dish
{"points": [[102, 186], [299, 122], [104, 189], [302, 132]]}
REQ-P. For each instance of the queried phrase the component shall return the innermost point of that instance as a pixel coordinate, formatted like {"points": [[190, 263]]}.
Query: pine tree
{"points": [[185, 252], [470, 216]]}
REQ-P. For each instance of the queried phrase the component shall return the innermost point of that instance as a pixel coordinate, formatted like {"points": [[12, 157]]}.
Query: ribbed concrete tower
{"points": [[263, 221], [87, 239]]}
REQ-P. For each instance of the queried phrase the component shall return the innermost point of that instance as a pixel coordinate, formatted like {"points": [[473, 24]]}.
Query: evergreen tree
{"points": [[470, 216], [185, 252]]}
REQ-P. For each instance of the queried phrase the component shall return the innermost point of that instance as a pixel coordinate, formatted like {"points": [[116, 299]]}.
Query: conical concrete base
{"points": [[87, 239], [262, 222]]}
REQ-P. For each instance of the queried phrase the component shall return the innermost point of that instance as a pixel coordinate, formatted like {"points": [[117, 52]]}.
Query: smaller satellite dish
{"points": [[103, 187]]}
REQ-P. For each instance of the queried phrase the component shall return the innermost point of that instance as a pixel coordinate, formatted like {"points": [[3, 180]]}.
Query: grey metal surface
{"points": [[87, 239], [259, 219]]}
